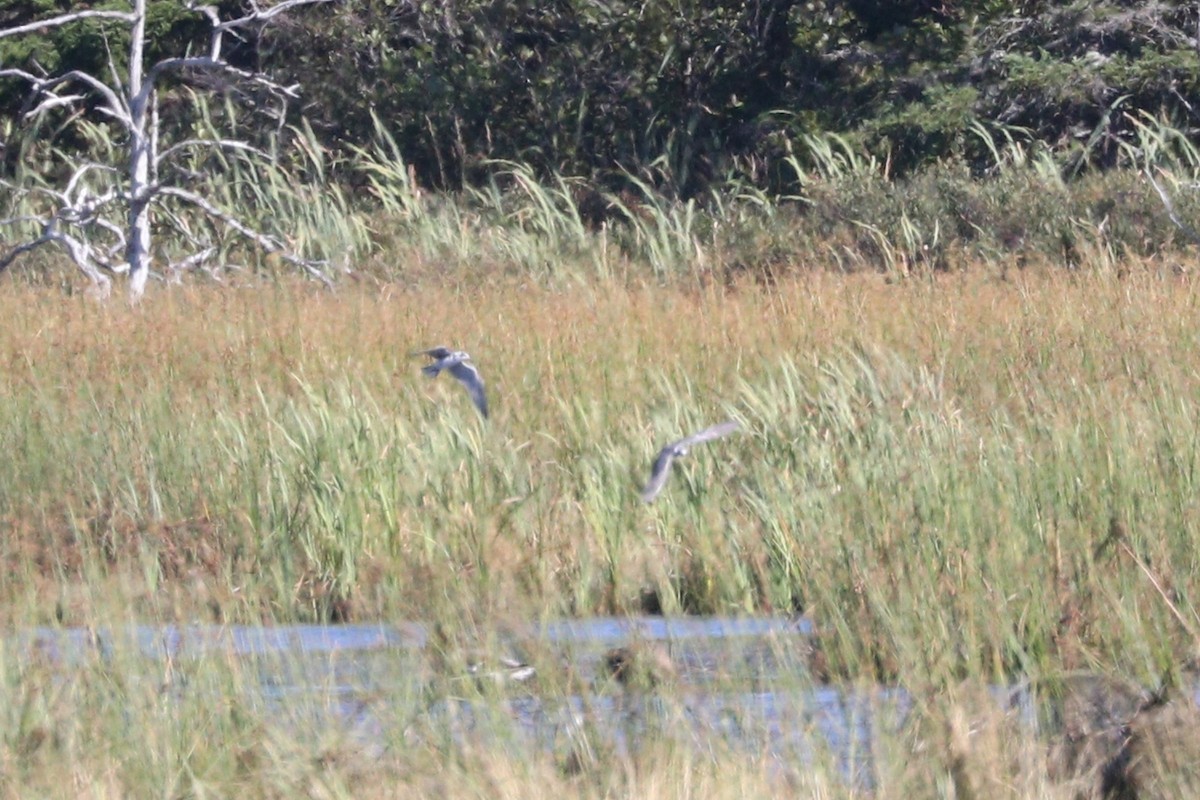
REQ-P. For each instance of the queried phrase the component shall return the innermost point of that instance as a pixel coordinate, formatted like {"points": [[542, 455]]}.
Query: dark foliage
{"points": [[686, 93]]}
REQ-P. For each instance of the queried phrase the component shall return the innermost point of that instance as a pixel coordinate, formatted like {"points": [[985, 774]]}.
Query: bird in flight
{"points": [[662, 464], [458, 363]]}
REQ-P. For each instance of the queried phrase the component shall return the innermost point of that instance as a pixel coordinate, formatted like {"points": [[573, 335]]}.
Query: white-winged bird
{"points": [[457, 362], [662, 464]]}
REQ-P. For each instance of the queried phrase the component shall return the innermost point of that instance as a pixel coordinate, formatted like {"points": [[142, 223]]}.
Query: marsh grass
{"points": [[365, 218], [835, 208], [965, 464], [972, 476], [119, 724], [944, 456]]}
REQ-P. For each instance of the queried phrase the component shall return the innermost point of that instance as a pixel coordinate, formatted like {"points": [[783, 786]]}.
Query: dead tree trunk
{"points": [[78, 216], [138, 250]]}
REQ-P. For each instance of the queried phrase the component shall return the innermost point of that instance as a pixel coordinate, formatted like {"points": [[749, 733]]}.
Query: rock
{"points": [[1103, 738], [1160, 759], [1086, 716]]}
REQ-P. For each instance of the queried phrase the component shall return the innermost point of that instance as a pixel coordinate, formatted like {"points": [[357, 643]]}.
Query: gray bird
{"points": [[457, 362], [448, 656], [662, 464], [505, 670]]}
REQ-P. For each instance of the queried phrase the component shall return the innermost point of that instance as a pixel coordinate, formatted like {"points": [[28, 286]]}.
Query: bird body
{"points": [[505, 670], [457, 362], [662, 463], [450, 659]]}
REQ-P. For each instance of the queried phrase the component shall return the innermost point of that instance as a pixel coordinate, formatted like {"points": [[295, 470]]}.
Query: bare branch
{"points": [[1187, 229], [83, 210], [194, 260], [154, 133], [80, 253], [24, 247], [264, 14], [214, 47], [66, 19], [39, 190], [53, 101], [214, 60], [116, 230], [81, 171], [116, 107], [113, 75], [215, 65], [221, 144], [76, 205], [265, 241]]}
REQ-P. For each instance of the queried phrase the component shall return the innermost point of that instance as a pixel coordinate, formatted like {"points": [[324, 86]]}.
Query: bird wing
{"points": [[708, 434], [434, 352], [659, 473], [469, 376]]}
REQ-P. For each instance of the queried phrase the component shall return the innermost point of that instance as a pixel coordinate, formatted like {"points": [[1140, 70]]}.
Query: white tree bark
{"points": [[1172, 214], [77, 216], [139, 160]]}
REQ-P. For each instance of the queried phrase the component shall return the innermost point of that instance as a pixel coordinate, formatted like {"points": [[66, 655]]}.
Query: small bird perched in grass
{"points": [[457, 362], [662, 464]]}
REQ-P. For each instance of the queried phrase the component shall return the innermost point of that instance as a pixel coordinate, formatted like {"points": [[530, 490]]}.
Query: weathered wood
{"points": [[130, 101]]}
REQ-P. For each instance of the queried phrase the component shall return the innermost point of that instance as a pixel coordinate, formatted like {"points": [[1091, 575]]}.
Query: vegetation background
{"points": [[913, 108], [919, 249], [696, 92], [699, 91]]}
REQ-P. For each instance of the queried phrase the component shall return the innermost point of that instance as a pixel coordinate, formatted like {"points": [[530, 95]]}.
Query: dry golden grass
{"points": [[142, 441], [965, 474], [211, 345]]}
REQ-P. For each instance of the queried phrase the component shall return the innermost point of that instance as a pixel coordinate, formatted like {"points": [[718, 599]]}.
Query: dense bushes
{"points": [[667, 140], [689, 93]]}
